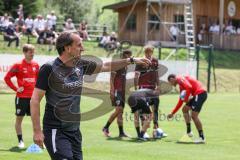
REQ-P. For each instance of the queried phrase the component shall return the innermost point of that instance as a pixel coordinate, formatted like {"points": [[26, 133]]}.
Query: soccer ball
{"points": [[158, 133], [182, 95]]}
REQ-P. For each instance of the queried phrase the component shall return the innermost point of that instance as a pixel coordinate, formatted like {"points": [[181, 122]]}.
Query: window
{"points": [[132, 23], [179, 19], [154, 22]]}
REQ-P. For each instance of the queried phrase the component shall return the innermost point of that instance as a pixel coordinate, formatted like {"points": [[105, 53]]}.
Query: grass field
{"points": [[220, 118]]}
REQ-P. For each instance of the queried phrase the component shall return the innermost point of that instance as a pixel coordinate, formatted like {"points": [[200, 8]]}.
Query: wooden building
{"points": [[137, 21]]}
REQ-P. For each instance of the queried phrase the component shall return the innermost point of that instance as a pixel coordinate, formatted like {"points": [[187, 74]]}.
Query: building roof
{"points": [[131, 2]]}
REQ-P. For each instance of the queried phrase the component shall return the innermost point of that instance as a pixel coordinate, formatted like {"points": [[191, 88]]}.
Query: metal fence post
{"points": [[160, 51], [209, 67], [197, 58]]}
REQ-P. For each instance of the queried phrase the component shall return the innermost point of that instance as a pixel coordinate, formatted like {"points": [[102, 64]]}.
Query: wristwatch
{"points": [[132, 60]]}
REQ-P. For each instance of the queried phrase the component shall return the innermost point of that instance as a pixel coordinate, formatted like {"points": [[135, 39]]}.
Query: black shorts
{"points": [[22, 106], [29, 30], [63, 145], [197, 102], [154, 101], [119, 98], [142, 106]]}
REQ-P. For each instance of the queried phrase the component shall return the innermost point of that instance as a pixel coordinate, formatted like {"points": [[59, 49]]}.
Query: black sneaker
{"points": [[106, 132]]}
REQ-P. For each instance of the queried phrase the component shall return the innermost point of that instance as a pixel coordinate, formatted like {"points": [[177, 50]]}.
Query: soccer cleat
{"points": [[21, 145], [190, 134], [200, 141], [106, 132], [146, 136]]}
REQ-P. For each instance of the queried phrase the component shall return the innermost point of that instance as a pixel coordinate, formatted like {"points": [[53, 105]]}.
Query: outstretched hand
{"points": [[142, 61], [20, 89], [38, 138], [170, 116]]}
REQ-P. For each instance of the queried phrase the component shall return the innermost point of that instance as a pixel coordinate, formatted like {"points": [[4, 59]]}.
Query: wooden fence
{"points": [[230, 42], [94, 31]]}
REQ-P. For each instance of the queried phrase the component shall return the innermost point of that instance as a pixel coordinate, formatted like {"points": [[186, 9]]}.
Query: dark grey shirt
{"points": [[63, 86]]}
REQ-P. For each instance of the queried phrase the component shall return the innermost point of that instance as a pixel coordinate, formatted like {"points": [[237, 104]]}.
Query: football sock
{"points": [[138, 131], [19, 137], [142, 134], [107, 125], [188, 127], [120, 129], [201, 134]]}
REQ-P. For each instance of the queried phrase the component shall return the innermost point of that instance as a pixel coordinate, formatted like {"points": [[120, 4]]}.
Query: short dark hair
{"points": [[65, 39], [126, 52], [171, 76]]}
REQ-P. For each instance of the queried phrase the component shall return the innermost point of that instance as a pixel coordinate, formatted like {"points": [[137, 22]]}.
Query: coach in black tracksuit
{"points": [[61, 82]]}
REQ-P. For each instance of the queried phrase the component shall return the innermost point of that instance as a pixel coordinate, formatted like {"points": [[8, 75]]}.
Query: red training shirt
{"points": [[26, 74], [191, 85]]}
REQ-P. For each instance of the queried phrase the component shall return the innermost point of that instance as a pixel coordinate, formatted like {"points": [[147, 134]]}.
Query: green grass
{"points": [[223, 59], [220, 117]]}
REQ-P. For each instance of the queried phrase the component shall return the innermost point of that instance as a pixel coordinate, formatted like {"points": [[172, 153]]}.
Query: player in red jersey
{"points": [[117, 95], [190, 87], [148, 78], [26, 72]]}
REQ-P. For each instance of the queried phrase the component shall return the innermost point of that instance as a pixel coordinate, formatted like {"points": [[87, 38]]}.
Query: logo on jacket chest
{"points": [[74, 80], [25, 70], [34, 69]]}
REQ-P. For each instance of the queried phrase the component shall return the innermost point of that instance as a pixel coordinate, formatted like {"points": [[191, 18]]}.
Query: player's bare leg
{"points": [[18, 125], [120, 117], [120, 123], [187, 117], [155, 117], [18, 128], [146, 122], [137, 123], [198, 124], [146, 118], [113, 116]]}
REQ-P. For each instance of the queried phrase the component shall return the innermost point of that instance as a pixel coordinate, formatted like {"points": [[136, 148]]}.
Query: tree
{"points": [[1, 8], [11, 6], [75, 9]]}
